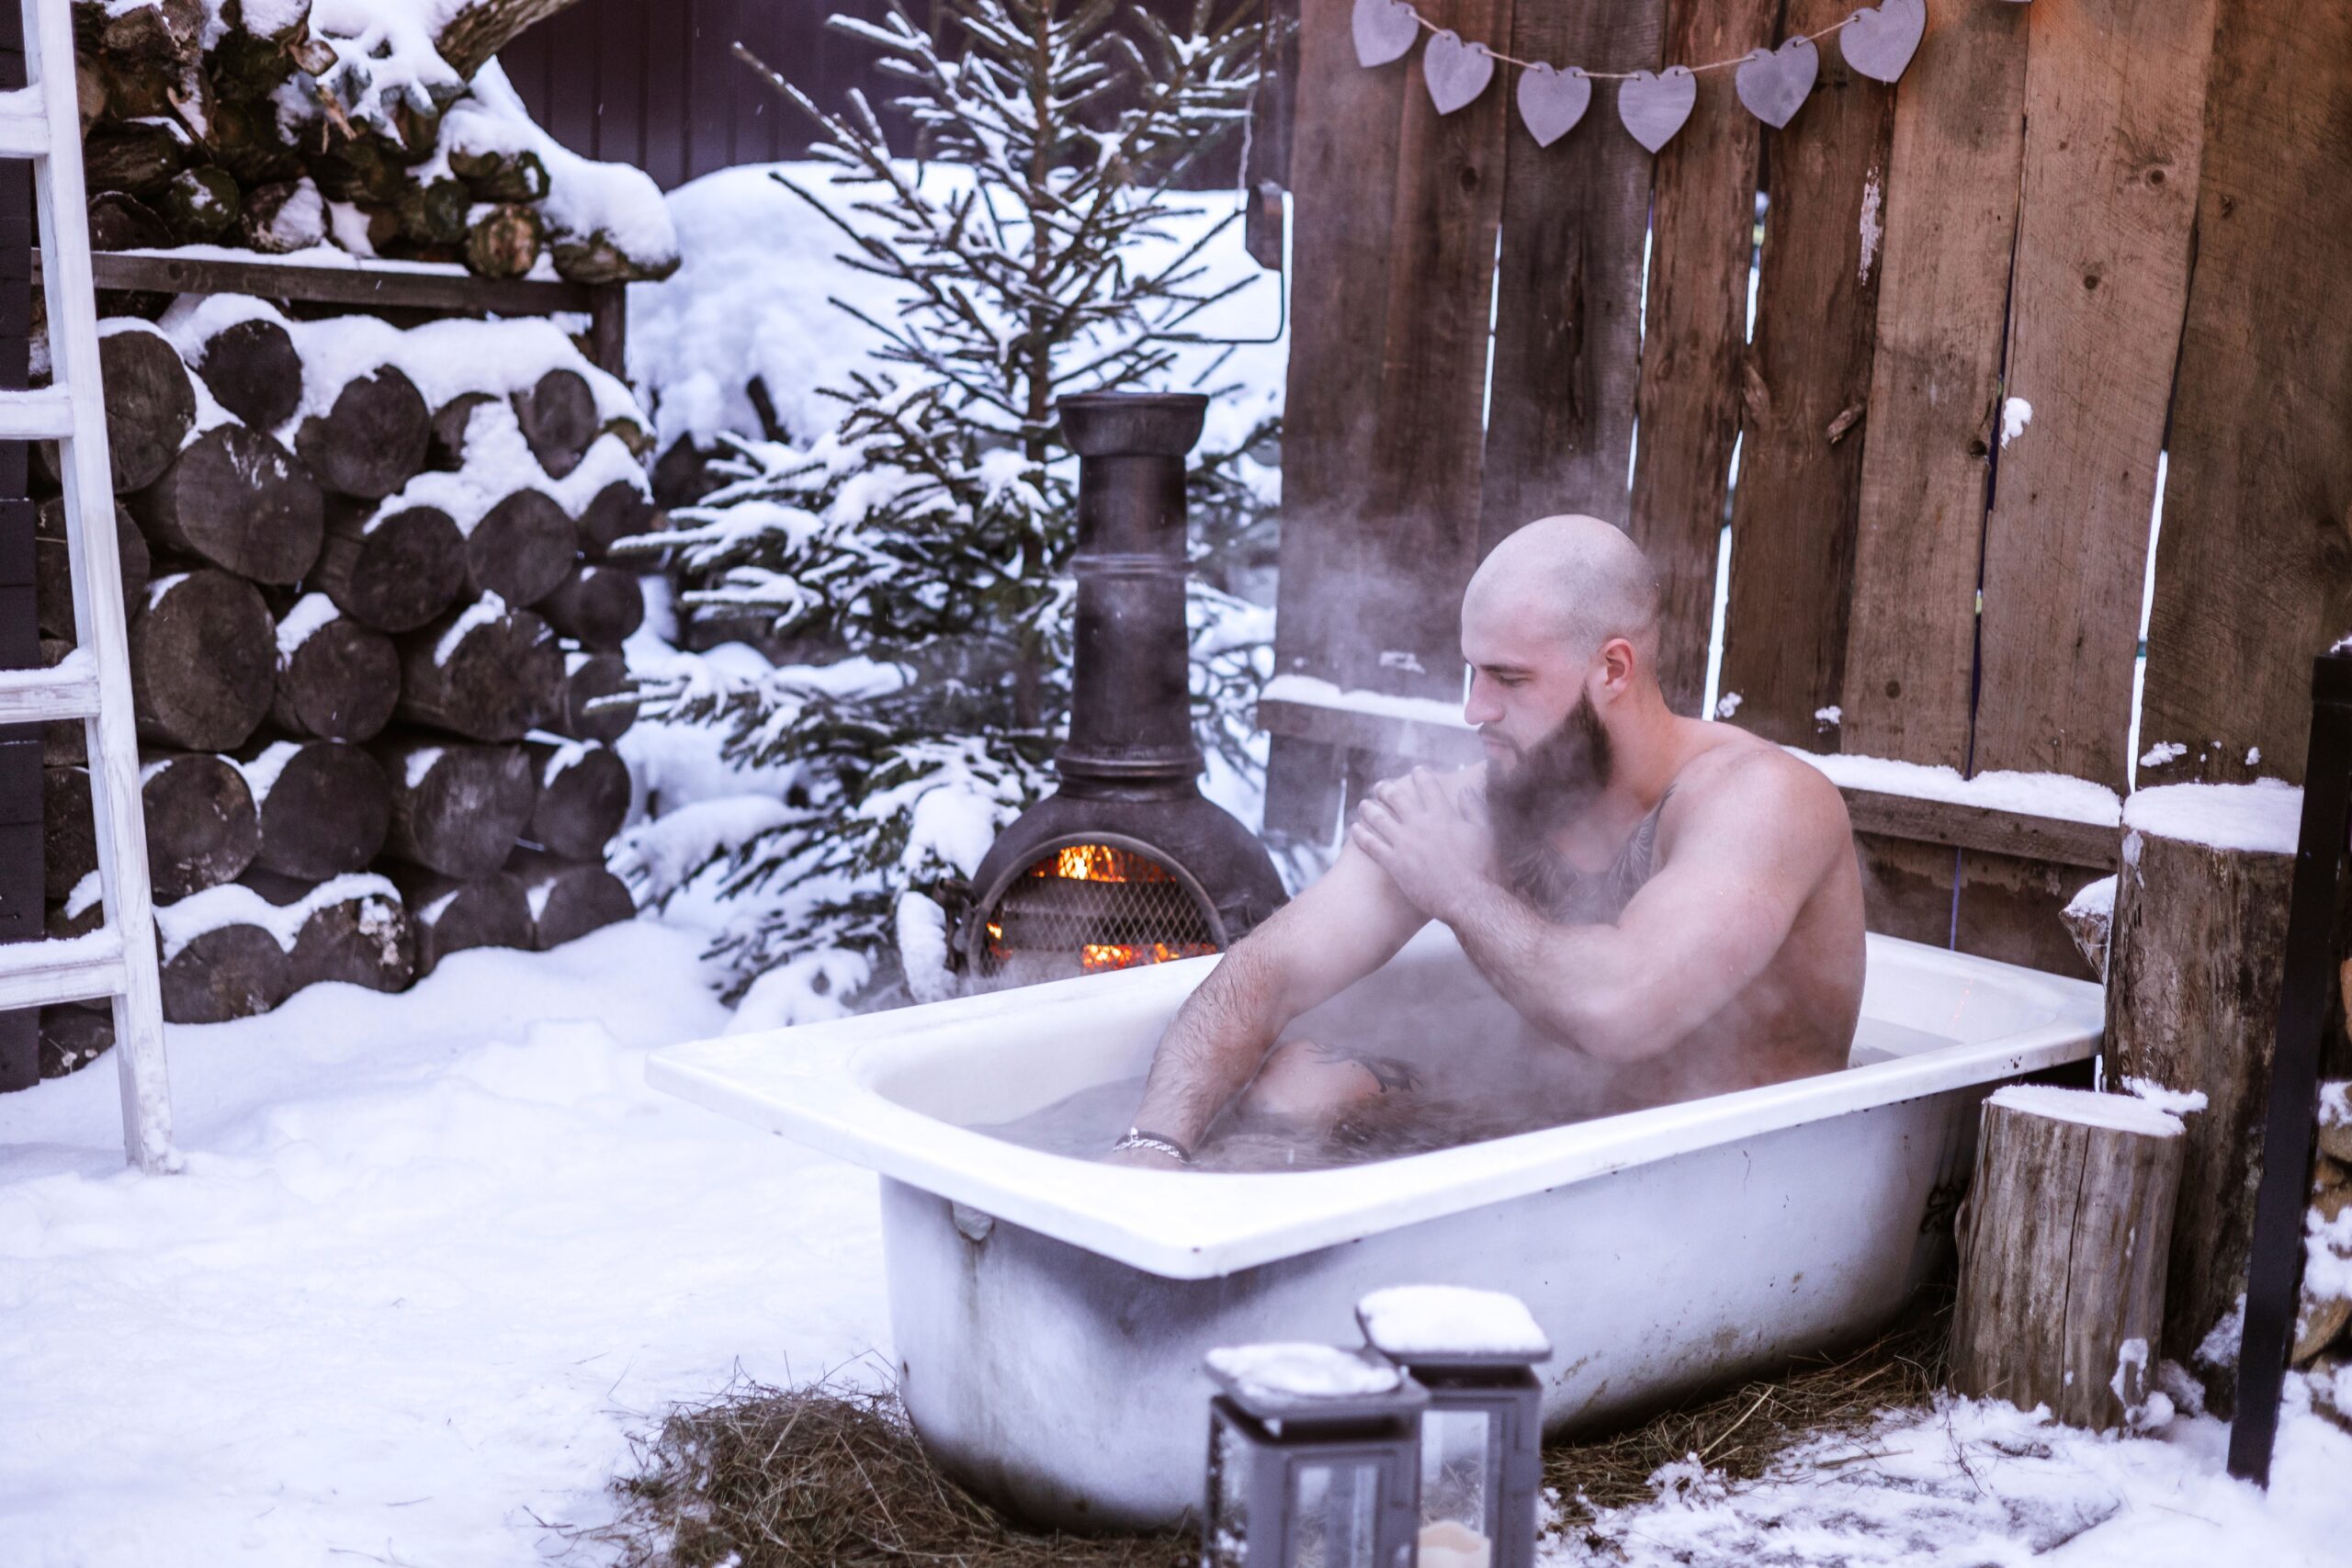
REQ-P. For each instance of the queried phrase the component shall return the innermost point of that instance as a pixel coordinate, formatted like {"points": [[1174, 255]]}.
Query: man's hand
{"points": [[1428, 831]]}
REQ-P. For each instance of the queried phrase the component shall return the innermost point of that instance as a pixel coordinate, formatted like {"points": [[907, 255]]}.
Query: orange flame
{"points": [[1096, 957]]}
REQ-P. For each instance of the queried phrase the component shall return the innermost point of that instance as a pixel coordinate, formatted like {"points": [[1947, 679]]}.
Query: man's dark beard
{"points": [[1548, 785]]}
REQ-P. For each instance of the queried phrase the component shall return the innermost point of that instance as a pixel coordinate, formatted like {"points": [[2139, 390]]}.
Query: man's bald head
{"points": [[1573, 580]]}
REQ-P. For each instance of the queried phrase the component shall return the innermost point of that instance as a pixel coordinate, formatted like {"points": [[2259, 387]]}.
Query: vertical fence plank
{"points": [[1951, 210], [1567, 295], [2115, 94], [1343, 165], [1396, 215], [2254, 565], [1701, 220], [1804, 392], [1952, 207]]}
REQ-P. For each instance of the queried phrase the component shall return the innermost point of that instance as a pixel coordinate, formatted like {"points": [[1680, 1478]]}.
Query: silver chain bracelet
{"points": [[1137, 1138]]}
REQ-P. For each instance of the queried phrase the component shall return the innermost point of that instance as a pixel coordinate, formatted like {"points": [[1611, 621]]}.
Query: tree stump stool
{"points": [[2062, 1249]]}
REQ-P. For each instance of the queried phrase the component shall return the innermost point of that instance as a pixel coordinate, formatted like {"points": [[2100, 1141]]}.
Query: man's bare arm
{"points": [[1337, 931], [1745, 854]]}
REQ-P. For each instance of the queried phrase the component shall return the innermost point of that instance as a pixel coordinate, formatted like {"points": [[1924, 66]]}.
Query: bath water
{"points": [[1085, 1125]]}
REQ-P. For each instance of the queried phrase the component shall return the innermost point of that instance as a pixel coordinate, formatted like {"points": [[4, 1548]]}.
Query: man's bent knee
{"points": [[1311, 1083]]}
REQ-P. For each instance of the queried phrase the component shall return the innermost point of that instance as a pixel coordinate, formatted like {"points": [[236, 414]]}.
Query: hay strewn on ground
{"points": [[830, 1474]]}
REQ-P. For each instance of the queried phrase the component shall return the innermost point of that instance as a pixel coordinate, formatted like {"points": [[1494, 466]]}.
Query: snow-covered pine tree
{"points": [[918, 552]]}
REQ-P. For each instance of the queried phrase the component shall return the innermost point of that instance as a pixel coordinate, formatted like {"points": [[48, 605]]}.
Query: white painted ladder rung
{"points": [[45, 414], [24, 131], [42, 974], [68, 689]]}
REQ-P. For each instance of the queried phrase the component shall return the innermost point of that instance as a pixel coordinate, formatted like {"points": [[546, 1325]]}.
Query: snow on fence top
{"points": [[2033, 795], [2261, 817], [2122, 1113], [1413, 1322]]}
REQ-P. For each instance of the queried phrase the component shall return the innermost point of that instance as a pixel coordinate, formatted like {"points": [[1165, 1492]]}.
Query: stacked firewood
{"points": [[374, 648], [259, 125]]}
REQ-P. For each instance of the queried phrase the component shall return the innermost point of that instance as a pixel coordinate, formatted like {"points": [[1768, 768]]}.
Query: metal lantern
{"points": [[1481, 1469], [1314, 1460]]}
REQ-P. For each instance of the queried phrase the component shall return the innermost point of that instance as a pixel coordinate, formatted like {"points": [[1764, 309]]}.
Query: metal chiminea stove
{"points": [[1125, 863]]}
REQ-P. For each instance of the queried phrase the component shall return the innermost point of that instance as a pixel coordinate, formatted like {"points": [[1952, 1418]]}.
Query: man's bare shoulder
{"points": [[1745, 779]]}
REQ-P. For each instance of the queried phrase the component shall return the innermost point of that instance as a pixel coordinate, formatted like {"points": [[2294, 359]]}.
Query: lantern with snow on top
{"points": [[1481, 1454], [1314, 1453]]}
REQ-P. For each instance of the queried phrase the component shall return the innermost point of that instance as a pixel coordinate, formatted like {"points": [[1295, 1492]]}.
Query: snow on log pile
{"points": [[367, 746], [380, 127]]}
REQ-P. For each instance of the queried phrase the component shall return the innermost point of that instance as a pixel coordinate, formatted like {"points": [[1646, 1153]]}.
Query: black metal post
{"points": [[2275, 1263]]}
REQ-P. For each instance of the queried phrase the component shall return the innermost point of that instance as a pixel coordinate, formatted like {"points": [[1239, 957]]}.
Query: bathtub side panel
{"points": [[1068, 1386]]}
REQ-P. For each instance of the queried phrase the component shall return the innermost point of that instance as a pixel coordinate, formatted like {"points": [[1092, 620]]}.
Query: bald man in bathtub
{"points": [[1671, 907]]}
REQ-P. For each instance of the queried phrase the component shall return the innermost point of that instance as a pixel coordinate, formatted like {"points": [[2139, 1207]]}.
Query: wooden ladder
{"points": [[42, 122]]}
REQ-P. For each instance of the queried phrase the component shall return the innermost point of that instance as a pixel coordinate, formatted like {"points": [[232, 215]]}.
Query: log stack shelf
{"points": [[436, 287]]}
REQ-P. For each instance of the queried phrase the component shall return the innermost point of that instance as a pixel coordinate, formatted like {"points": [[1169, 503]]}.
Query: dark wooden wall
{"points": [[655, 83], [2094, 205]]}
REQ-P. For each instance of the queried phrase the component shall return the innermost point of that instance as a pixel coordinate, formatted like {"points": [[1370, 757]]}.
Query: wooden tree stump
{"points": [[449, 916], [323, 807], [519, 549], [201, 827], [254, 371], [567, 898], [355, 929], [2062, 1272], [203, 661], [457, 809], [558, 417], [220, 958], [615, 512], [393, 569], [150, 405], [596, 606], [338, 680], [68, 835], [237, 499], [2194, 962], [595, 700], [583, 800], [53, 566], [372, 441], [485, 672]]}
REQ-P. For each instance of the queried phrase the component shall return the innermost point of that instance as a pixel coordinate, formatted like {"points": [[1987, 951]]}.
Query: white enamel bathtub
{"points": [[1049, 1314]]}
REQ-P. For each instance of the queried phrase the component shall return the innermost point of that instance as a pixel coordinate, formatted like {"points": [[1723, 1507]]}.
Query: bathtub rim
{"points": [[815, 1089]]}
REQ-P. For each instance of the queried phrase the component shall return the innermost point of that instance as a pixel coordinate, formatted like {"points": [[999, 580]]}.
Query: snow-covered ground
{"points": [[435, 1255]]}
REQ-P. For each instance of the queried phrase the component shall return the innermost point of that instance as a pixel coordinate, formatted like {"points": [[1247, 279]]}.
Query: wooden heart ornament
{"points": [[1654, 104], [1550, 102], [1879, 42], [1385, 30], [1456, 72], [1774, 82]]}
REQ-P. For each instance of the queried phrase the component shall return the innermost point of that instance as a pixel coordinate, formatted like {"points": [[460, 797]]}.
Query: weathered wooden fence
{"points": [[2132, 214]]}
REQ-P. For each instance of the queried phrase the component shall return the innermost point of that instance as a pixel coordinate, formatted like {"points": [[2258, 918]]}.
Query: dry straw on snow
{"points": [[830, 1474]]}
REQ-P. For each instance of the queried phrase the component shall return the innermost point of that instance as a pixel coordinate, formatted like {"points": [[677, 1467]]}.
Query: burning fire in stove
{"points": [[1100, 906]]}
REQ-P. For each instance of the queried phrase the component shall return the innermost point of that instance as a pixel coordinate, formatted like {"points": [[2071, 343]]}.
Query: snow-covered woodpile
{"points": [[371, 615], [380, 126]]}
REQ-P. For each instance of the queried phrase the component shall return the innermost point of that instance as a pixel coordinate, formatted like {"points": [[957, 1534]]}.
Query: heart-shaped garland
{"points": [[1877, 42]]}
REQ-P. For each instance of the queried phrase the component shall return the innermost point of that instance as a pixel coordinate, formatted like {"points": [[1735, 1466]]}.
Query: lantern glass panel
{"points": [[1227, 1541], [1459, 1465], [1334, 1515]]}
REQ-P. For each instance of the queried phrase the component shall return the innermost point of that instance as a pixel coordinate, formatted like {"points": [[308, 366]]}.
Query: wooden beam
{"points": [[1908, 818], [422, 286]]}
